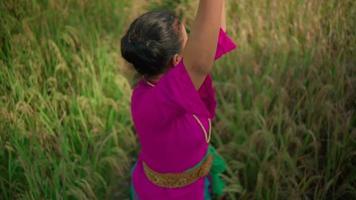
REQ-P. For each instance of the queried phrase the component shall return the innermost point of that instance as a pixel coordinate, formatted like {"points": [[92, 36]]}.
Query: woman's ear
{"points": [[176, 59]]}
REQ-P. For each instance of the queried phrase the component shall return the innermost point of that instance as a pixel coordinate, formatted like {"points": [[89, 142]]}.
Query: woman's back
{"points": [[173, 116], [171, 138]]}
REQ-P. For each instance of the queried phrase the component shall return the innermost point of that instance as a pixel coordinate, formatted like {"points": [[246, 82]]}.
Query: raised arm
{"points": [[223, 17], [200, 49]]}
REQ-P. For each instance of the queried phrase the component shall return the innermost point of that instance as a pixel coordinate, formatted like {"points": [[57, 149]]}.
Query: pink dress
{"points": [[170, 138]]}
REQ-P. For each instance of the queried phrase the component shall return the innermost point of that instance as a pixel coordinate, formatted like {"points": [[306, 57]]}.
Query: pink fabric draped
{"points": [[170, 138]]}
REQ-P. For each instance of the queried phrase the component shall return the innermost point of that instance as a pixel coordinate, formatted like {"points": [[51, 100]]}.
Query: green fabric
{"points": [[132, 189], [217, 168], [207, 195], [132, 193]]}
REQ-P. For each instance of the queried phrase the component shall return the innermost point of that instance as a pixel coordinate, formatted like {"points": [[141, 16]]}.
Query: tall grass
{"points": [[65, 130], [287, 111], [286, 121]]}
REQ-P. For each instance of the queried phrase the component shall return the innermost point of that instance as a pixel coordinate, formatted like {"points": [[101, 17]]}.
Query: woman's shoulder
{"points": [[138, 94]]}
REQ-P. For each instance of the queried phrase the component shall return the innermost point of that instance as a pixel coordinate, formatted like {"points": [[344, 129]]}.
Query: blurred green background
{"points": [[286, 120]]}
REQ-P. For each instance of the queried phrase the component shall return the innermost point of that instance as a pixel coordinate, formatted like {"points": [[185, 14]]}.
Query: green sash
{"points": [[218, 166]]}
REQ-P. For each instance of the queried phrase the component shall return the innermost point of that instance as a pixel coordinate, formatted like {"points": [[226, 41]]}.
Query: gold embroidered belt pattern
{"points": [[176, 180]]}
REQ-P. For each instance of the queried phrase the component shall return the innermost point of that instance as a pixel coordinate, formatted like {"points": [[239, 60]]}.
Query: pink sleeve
{"points": [[225, 44], [175, 92]]}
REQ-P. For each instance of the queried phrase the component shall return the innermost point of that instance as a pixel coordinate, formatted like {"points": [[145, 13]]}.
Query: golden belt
{"points": [[176, 180]]}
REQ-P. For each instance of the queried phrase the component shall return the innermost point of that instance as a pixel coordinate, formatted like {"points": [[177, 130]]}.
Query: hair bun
{"points": [[151, 42]]}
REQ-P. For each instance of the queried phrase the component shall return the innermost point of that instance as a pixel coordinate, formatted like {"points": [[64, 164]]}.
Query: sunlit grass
{"points": [[64, 122]]}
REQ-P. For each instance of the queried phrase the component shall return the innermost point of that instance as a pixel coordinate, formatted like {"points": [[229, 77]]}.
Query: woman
{"points": [[173, 104]]}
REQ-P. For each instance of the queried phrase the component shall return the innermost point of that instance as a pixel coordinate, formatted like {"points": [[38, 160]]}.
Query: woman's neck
{"points": [[152, 79]]}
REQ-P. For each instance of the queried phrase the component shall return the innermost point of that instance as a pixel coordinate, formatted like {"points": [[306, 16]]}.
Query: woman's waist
{"points": [[144, 180], [173, 161], [145, 188]]}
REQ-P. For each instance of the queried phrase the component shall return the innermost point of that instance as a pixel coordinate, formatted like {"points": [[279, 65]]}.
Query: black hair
{"points": [[151, 42]]}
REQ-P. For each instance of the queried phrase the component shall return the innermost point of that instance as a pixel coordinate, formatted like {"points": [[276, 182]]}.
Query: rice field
{"points": [[286, 121]]}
